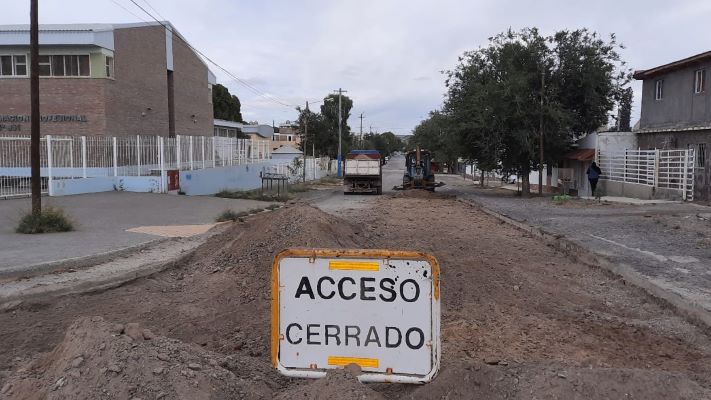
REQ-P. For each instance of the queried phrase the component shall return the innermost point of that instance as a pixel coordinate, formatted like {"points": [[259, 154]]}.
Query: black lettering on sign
{"points": [[309, 333], [402, 290], [389, 343], [409, 342], [366, 289], [320, 290], [389, 289], [333, 335], [288, 333], [353, 335], [305, 288], [340, 291], [372, 337]]}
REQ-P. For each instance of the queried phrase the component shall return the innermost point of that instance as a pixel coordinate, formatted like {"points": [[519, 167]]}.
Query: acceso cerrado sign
{"points": [[379, 309]]}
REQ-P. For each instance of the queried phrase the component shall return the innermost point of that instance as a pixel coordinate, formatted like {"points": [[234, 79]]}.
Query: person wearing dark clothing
{"points": [[594, 173]]}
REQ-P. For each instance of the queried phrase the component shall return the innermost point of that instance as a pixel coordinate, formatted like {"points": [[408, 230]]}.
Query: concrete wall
{"points": [[680, 106], [633, 190], [616, 141], [212, 180], [141, 184]]}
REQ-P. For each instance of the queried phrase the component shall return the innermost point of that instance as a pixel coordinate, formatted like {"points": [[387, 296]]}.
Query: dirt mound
{"points": [[338, 384], [98, 359], [481, 381]]}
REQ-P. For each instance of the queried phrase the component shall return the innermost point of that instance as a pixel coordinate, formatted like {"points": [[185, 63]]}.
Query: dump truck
{"points": [[418, 171], [363, 172]]}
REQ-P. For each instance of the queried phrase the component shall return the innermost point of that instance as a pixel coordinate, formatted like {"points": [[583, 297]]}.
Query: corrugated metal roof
{"points": [[581, 155]]}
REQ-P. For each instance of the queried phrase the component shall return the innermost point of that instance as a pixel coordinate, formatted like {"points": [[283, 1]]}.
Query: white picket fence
{"points": [[72, 157], [666, 169]]}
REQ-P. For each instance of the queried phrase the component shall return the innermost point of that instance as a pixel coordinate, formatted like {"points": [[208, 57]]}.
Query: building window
{"points": [[58, 65], [209, 93], [701, 155], [659, 89], [13, 65], [109, 67], [700, 81]]}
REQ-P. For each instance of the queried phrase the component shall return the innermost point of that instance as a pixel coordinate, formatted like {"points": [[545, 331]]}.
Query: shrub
{"points": [[48, 221], [562, 198], [228, 215], [273, 206]]}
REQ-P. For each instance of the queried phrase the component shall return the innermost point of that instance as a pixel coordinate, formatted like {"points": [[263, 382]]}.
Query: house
{"points": [[287, 133], [676, 113], [573, 169], [106, 79]]}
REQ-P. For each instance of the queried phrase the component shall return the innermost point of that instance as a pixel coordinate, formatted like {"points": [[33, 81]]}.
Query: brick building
{"points": [[106, 79]]}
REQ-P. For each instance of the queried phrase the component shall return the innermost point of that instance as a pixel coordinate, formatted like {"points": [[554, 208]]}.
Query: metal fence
{"points": [[666, 169], [72, 157]]}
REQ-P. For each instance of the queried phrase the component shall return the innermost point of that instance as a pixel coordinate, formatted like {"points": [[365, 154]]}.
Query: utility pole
{"points": [[360, 138], [35, 111], [540, 131], [340, 123], [306, 132]]}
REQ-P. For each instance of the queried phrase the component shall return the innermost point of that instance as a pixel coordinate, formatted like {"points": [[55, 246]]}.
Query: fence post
{"points": [[49, 165], [190, 153], [138, 153], [655, 184], [83, 156], [624, 168], [71, 155], [202, 140], [177, 151], [161, 161], [686, 174], [214, 156], [115, 156]]}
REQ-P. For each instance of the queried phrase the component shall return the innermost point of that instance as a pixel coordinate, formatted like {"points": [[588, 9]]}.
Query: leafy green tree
{"points": [[323, 126], [625, 111], [225, 106], [436, 135], [501, 96], [386, 143]]}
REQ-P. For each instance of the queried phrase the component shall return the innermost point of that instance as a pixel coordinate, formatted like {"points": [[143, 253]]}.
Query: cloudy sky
{"points": [[388, 54]]}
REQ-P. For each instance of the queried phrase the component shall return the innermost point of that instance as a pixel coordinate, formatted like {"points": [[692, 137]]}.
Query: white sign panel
{"points": [[375, 308]]}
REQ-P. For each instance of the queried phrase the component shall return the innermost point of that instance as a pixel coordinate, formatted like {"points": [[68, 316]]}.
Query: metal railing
{"points": [[73, 157], [666, 169]]}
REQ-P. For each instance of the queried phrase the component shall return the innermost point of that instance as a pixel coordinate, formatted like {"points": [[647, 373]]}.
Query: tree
{"points": [[436, 135], [386, 143], [503, 98], [225, 106], [323, 126], [625, 111]]}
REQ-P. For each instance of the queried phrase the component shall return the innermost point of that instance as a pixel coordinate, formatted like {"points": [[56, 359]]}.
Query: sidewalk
{"points": [[102, 221], [669, 244]]}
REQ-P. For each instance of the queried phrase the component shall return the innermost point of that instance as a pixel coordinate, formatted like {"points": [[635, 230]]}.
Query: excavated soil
{"points": [[519, 320]]}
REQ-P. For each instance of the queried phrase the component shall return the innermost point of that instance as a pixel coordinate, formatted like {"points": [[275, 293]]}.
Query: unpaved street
{"points": [[519, 320]]}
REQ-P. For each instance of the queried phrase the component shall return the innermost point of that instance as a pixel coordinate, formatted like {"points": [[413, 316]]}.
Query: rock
{"points": [[163, 357], [75, 373], [161, 395], [6, 388], [117, 329], [158, 370], [96, 319], [60, 382], [113, 367], [195, 366], [147, 334], [516, 287], [562, 375], [133, 330], [77, 362], [10, 305], [102, 346], [491, 360]]}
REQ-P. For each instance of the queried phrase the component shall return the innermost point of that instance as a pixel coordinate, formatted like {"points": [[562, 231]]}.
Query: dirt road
{"points": [[519, 320]]}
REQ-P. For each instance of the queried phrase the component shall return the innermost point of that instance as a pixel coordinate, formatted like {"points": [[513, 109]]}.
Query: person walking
{"points": [[594, 173]]}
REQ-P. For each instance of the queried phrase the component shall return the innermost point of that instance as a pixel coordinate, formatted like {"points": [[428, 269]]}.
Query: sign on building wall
{"points": [[375, 308], [13, 123]]}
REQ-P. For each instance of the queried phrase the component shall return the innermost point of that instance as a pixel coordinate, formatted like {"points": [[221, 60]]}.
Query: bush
{"points": [[562, 198], [50, 220], [273, 206], [251, 195], [228, 215]]}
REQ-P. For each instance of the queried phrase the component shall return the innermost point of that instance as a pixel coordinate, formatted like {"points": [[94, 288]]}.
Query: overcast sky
{"points": [[388, 54]]}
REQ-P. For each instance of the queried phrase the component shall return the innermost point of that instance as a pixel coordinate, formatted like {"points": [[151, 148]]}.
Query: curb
{"points": [[33, 270], [685, 307]]}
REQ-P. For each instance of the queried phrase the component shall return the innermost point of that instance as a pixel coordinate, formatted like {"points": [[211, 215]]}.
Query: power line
{"points": [[128, 11], [230, 74]]}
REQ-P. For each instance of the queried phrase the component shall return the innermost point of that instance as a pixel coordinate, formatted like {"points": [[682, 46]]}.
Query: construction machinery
{"points": [[418, 171], [363, 172]]}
